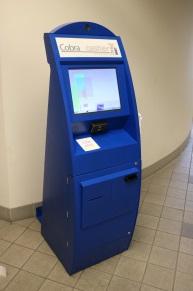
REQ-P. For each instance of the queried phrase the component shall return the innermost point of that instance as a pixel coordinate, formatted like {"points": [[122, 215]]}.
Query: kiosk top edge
{"points": [[83, 28]]}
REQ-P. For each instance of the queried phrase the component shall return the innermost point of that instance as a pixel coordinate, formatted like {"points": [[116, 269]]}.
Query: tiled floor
{"points": [[160, 256]]}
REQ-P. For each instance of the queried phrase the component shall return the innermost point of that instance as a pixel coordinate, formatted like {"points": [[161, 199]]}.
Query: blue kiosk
{"points": [[92, 173]]}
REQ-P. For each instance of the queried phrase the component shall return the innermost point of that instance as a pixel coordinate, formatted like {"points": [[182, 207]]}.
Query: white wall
{"points": [[156, 35], [4, 193]]}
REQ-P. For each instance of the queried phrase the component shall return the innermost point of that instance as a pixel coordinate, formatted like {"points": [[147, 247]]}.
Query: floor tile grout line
{"points": [[11, 279], [32, 249], [28, 226], [157, 231], [6, 248], [150, 203], [37, 251], [17, 221], [138, 260], [109, 281], [19, 268], [177, 220], [122, 277], [159, 246], [20, 245], [14, 223], [59, 282], [142, 281], [37, 275], [65, 284], [79, 277], [173, 286], [44, 279], [12, 242], [111, 274], [26, 247], [47, 277], [153, 287]]}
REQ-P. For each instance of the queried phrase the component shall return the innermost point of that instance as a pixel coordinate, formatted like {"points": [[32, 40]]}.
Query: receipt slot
{"points": [[92, 172]]}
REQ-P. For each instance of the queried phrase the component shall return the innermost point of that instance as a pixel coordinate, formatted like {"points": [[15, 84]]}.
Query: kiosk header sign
{"points": [[88, 47]]}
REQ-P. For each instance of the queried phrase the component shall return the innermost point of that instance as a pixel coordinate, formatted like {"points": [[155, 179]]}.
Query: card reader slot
{"points": [[98, 127], [130, 177]]}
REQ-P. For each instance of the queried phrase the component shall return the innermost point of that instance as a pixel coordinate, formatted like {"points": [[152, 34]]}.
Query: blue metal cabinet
{"points": [[90, 197]]}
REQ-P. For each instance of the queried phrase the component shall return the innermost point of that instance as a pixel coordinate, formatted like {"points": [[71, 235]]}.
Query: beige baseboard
{"points": [[18, 213], [28, 211]]}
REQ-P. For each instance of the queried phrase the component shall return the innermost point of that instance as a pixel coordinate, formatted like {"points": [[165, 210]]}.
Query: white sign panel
{"points": [[88, 47], [88, 144]]}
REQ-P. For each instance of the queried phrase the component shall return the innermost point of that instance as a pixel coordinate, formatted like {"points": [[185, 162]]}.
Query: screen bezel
{"points": [[122, 88], [95, 69]]}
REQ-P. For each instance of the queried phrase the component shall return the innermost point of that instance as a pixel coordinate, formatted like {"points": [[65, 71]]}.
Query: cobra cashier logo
{"points": [[96, 49], [69, 48]]}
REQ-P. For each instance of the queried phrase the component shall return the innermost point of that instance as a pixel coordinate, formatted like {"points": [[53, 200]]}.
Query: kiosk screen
{"points": [[94, 90]]}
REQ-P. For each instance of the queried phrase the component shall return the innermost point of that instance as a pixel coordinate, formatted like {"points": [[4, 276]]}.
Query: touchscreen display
{"points": [[94, 90]]}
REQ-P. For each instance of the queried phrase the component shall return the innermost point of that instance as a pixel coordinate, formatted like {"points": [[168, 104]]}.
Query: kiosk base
{"points": [[88, 256]]}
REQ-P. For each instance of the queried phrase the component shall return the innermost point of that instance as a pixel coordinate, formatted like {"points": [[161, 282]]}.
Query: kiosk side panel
{"points": [[58, 194]]}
